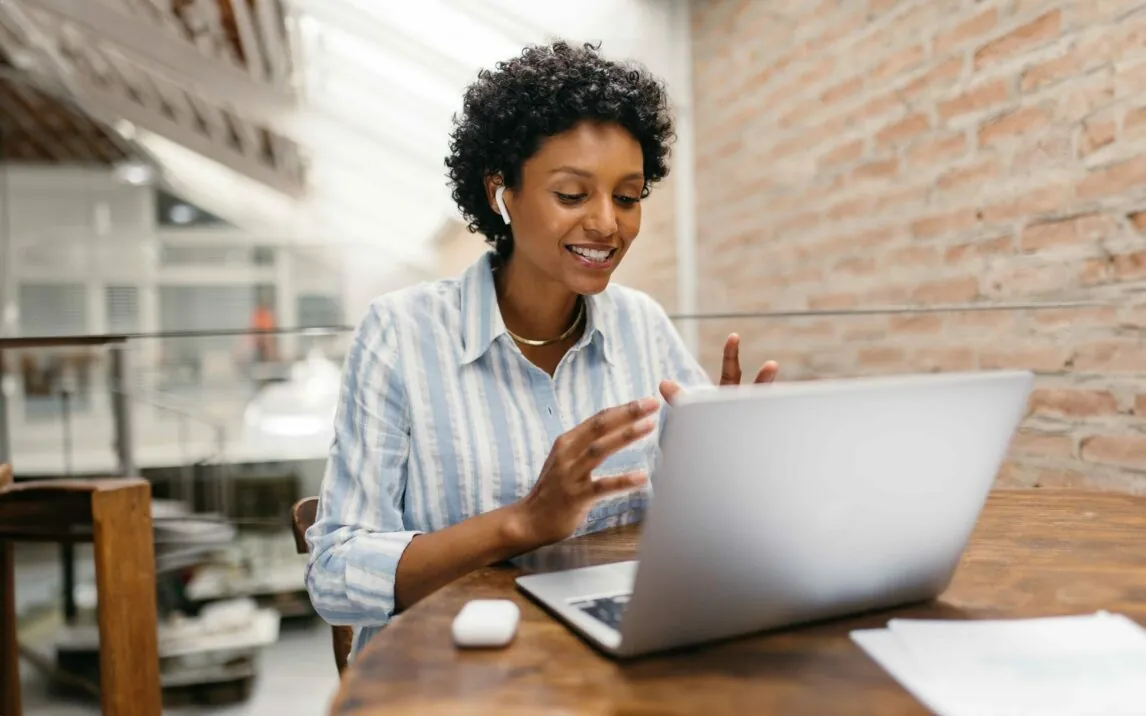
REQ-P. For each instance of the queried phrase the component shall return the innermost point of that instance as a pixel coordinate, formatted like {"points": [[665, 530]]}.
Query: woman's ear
{"points": [[496, 188], [499, 198]]}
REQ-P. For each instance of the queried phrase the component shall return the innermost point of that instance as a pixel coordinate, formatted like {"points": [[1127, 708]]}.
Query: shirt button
{"points": [[551, 411]]}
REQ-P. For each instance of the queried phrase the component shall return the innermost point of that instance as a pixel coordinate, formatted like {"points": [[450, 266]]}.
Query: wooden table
{"points": [[1034, 553]]}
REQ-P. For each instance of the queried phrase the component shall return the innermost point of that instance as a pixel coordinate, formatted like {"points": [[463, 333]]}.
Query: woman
{"points": [[486, 416]]}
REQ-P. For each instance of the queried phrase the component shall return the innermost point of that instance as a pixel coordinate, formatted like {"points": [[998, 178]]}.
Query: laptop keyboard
{"points": [[605, 609]]}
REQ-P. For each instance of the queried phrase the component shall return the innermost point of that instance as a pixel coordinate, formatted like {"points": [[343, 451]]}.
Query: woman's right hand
{"points": [[565, 492]]}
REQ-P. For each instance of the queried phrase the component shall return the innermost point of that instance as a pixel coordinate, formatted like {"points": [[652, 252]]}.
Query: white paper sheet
{"points": [[1076, 665]]}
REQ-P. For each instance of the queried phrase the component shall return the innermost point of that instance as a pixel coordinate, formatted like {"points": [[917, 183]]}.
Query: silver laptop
{"points": [[798, 502]]}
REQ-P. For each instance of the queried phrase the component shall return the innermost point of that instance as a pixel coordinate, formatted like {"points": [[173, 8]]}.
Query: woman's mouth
{"points": [[594, 257]]}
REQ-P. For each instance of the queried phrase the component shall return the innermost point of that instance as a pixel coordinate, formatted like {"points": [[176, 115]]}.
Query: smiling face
{"points": [[577, 207]]}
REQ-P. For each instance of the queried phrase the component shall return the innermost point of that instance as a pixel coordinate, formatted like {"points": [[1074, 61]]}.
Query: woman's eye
{"points": [[628, 200], [569, 198]]}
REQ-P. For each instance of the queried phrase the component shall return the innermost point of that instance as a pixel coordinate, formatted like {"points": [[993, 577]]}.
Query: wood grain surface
{"points": [[1033, 553]]}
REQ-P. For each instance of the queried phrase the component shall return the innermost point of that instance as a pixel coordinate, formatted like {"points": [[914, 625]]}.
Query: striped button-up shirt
{"points": [[442, 418]]}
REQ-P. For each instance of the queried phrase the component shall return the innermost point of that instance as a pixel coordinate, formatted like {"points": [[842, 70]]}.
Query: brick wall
{"points": [[856, 153]]}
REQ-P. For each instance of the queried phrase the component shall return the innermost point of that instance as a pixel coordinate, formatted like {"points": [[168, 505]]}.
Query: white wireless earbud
{"points": [[500, 199]]}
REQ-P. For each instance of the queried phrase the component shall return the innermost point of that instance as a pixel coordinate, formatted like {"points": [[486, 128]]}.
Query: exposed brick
{"points": [[898, 198], [974, 174], [999, 321], [817, 329], [945, 359], [877, 106], [810, 216], [864, 266], [942, 224], [1011, 476], [842, 154], [1039, 30], [1044, 360], [1072, 231], [939, 148], [832, 301], [1055, 69], [1096, 11], [937, 78], [969, 29], [850, 208], [800, 114], [913, 256], [898, 62], [1017, 122], [818, 71], [1128, 267], [1032, 204], [982, 96], [881, 356], [1111, 356], [1083, 97], [1134, 120], [1033, 280], [842, 90], [1065, 402], [1122, 450], [998, 246], [1096, 134], [1114, 178], [1094, 272], [885, 295], [928, 323], [1047, 235], [1062, 480], [954, 290], [876, 169], [1050, 148], [1043, 444], [903, 130], [853, 241], [1056, 319]]}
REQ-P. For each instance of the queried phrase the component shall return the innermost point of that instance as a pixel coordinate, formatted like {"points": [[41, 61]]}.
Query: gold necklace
{"points": [[568, 331]]}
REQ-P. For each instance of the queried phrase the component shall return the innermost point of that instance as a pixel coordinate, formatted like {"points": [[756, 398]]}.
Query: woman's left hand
{"points": [[729, 370]]}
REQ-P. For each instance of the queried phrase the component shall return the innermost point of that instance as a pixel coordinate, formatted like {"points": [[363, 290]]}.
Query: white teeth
{"points": [[591, 254]]}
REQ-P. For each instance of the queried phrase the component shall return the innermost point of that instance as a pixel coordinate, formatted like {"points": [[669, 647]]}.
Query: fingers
{"points": [[767, 372], [730, 367], [605, 486], [600, 449], [669, 390], [606, 422]]}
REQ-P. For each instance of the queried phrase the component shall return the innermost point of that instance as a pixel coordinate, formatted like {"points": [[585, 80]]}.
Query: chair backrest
{"points": [[302, 516]]}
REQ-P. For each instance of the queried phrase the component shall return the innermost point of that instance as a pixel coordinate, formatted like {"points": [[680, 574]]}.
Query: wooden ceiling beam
{"points": [[248, 39], [31, 121], [53, 120]]}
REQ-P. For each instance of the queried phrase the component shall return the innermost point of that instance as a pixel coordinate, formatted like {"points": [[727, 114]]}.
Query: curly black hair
{"points": [[509, 111]]}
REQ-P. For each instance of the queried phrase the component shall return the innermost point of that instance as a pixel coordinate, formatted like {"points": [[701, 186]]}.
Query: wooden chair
{"points": [[302, 517], [115, 516]]}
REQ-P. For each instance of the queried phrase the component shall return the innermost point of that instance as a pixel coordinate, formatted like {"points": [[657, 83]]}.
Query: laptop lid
{"points": [[793, 502]]}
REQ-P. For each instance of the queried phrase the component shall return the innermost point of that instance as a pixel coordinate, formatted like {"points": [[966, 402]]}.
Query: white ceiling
{"points": [[354, 98]]}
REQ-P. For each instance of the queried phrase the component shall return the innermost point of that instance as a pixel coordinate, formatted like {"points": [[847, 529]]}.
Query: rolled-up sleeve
{"points": [[359, 534]]}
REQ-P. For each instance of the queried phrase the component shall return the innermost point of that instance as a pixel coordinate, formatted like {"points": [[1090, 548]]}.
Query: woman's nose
{"points": [[602, 218]]}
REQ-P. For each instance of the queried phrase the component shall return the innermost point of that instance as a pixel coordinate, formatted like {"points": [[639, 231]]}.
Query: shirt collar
{"points": [[482, 323]]}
